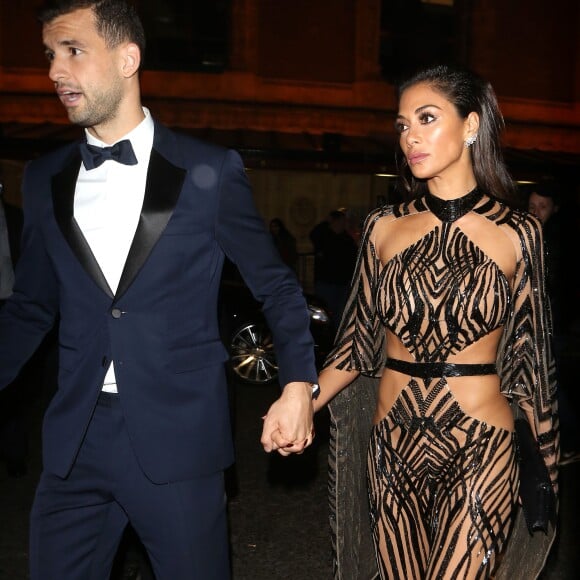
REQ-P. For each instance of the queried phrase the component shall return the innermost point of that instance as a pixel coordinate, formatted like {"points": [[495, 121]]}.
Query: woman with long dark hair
{"points": [[448, 312]]}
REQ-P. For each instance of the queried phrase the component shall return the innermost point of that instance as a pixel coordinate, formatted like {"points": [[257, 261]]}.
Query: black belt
{"points": [[427, 370]]}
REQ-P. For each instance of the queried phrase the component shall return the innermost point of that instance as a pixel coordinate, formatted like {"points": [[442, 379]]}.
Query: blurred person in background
{"points": [[285, 242], [13, 436], [16, 399], [334, 260]]}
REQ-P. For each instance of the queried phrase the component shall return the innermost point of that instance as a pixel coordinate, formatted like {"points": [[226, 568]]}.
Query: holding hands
{"points": [[288, 425]]}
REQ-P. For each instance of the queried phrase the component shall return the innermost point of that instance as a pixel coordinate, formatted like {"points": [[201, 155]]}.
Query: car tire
{"points": [[252, 357]]}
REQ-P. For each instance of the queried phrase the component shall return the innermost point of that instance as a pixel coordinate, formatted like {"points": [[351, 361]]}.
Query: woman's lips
{"points": [[417, 158]]}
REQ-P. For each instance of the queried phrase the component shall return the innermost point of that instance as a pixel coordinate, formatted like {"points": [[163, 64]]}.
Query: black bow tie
{"points": [[121, 152]]}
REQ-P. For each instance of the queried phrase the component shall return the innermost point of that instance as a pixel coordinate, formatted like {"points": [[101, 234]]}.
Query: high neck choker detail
{"points": [[450, 210]]}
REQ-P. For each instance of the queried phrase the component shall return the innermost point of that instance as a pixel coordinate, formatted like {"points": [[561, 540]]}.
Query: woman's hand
{"points": [[288, 425]]}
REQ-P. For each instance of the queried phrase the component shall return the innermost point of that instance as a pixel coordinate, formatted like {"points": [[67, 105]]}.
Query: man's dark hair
{"points": [[116, 20], [336, 214], [547, 187]]}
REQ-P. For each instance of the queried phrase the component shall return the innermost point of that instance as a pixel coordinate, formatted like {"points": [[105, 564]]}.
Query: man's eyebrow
{"points": [[68, 42]]}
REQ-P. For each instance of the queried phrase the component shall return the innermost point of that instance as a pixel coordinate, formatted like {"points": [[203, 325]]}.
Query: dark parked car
{"points": [[246, 334]]}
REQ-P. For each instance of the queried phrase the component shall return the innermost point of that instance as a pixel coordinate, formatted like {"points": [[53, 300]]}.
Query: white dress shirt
{"points": [[107, 206]]}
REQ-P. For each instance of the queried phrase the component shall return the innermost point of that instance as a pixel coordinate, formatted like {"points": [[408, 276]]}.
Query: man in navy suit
{"points": [[124, 239]]}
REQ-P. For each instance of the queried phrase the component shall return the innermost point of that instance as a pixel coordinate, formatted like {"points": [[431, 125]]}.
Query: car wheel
{"points": [[252, 354]]}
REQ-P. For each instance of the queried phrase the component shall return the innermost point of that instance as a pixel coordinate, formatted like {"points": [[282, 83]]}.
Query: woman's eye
{"points": [[74, 51], [426, 118], [400, 127]]}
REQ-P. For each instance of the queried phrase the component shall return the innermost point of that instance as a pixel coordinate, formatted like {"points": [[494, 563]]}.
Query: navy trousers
{"points": [[77, 523]]}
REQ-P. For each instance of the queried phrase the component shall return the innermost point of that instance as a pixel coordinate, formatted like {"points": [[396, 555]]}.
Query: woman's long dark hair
{"points": [[468, 93]]}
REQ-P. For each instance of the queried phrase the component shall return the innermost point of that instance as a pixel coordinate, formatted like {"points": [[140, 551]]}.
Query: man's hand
{"points": [[288, 425]]}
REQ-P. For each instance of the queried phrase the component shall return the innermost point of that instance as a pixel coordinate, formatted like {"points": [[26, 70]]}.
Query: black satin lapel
{"points": [[164, 184], [63, 196]]}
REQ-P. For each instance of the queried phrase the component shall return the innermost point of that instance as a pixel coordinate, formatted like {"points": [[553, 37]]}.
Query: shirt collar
{"points": [[141, 138]]}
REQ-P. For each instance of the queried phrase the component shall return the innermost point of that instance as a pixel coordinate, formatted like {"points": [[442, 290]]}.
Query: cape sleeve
{"points": [[359, 343], [525, 359], [359, 346]]}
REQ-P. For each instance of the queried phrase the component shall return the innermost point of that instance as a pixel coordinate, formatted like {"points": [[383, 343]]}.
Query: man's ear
{"points": [[131, 56]]}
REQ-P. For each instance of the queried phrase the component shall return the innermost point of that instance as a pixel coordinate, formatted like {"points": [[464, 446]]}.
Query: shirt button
{"points": [[116, 313]]}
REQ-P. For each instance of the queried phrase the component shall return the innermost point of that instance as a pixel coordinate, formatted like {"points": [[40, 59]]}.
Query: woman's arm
{"points": [[359, 344], [332, 381]]}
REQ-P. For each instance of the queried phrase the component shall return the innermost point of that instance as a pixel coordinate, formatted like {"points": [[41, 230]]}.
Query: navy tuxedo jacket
{"points": [[161, 326]]}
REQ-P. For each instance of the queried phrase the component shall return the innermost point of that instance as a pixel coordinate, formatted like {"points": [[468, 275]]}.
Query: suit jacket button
{"points": [[116, 313]]}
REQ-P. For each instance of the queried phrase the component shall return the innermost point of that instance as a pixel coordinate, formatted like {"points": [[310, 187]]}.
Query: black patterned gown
{"points": [[438, 487]]}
